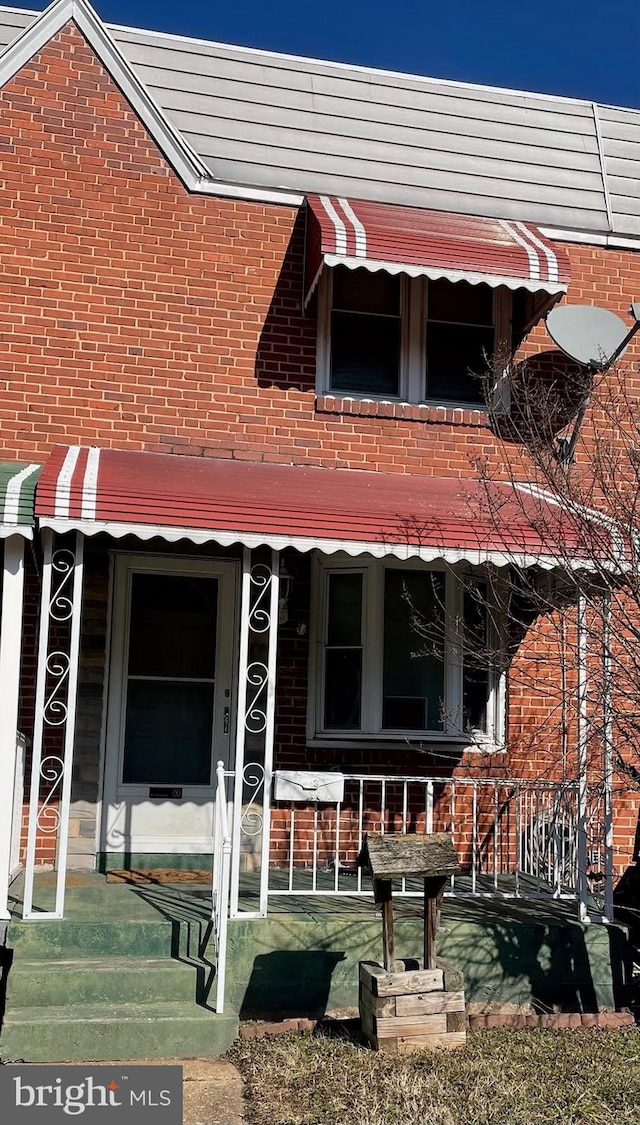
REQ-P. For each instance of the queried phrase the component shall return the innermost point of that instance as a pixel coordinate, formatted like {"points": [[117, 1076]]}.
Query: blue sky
{"points": [[578, 48]]}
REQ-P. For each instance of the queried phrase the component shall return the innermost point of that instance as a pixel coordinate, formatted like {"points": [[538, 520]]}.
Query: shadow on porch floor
{"points": [[90, 898], [512, 952]]}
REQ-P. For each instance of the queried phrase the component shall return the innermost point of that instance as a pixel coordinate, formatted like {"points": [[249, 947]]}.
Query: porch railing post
{"points": [[607, 749], [256, 718], [56, 699], [582, 884], [245, 609], [10, 649], [221, 884], [269, 729]]}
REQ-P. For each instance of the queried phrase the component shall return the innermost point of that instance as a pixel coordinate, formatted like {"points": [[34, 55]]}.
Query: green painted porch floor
{"points": [[130, 972], [89, 898]]}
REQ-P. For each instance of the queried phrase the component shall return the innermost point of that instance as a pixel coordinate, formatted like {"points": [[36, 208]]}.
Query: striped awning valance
{"points": [[17, 489]]}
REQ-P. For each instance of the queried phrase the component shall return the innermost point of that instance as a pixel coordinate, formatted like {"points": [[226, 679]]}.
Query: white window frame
{"points": [[413, 344], [373, 571]]}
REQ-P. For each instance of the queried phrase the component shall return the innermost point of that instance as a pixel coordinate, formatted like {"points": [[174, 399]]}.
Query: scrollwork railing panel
{"points": [[56, 710], [255, 719], [260, 616], [51, 771], [252, 819], [62, 566]]}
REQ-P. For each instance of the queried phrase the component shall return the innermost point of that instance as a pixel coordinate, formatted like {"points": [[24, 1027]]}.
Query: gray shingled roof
{"points": [[268, 120]]}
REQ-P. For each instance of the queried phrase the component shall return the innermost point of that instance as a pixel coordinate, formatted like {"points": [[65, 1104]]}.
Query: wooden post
{"points": [[433, 888], [384, 897]]}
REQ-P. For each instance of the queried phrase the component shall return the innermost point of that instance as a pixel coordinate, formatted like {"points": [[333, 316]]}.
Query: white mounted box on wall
{"points": [[306, 785]]}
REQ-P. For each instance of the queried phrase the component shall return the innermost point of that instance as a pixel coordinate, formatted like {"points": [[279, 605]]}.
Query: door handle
{"points": [[225, 726]]}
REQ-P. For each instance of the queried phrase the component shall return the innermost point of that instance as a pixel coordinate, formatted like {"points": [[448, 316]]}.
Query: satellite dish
{"points": [[591, 336]]}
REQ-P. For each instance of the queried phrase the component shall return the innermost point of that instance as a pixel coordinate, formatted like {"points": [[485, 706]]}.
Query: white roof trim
{"points": [[474, 556], [591, 238], [193, 172]]}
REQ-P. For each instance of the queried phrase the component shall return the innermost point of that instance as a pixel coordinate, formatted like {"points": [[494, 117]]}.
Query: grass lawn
{"points": [[590, 1077]]}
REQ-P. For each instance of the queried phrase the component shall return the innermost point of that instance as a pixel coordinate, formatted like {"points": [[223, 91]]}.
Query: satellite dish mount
{"points": [[594, 338]]}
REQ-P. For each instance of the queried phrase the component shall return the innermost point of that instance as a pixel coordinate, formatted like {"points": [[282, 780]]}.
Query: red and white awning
{"points": [[236, 502], [435, 244]]}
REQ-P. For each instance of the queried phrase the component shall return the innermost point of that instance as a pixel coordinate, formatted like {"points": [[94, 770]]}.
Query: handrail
{"points": [[507, 828], [221, 877]]}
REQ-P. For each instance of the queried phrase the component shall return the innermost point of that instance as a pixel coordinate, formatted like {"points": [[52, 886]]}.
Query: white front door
{"points": [[169, 714]]}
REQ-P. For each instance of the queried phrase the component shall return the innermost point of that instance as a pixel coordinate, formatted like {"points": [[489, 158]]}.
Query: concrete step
{"points": [[145, 938], [106, 980], [83, 1032]]}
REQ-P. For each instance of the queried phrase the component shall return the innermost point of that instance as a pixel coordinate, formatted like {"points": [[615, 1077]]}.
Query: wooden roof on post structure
{"points": [[398, 855]]}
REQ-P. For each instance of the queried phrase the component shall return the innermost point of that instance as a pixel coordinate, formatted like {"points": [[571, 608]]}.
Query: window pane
{"points": [[460, 303], [168, 733], [362, 291], [345, 609], [365, 354], [173, 626], [458, 358], [413, 675], [343, 688], [476, 676]]}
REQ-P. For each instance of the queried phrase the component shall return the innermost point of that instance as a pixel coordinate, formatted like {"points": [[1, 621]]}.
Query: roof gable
{"points": [[179, 153]]}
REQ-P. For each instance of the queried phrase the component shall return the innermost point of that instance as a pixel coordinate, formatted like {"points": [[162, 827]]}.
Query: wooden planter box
{"points": [[412, 1009]]}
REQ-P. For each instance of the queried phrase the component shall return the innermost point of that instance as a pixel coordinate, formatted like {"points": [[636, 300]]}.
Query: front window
{"points": [[406, 650], [396, 337]]}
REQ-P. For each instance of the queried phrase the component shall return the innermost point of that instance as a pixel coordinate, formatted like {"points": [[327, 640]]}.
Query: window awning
{"points": [[330, 510], [17, 487], [434, 244]]}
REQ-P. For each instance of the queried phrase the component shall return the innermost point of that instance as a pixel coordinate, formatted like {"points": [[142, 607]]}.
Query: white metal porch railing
{"points": [[515, 838], [221, 881]]}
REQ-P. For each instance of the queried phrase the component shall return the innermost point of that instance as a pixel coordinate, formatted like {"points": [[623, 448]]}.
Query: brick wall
{"points": [[138, 316]]}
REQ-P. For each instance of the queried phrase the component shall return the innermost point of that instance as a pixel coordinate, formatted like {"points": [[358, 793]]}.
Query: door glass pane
{"points": [[168, 733], [173, 626], [170, 682], [413, 675]]}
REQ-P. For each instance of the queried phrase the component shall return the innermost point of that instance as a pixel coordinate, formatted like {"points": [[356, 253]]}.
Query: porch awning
{"points": [[330, 510], [17, 487], [435, 244]]}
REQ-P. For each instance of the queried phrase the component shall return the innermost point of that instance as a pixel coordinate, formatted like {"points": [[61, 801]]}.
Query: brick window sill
{"points": [[405, 411]]}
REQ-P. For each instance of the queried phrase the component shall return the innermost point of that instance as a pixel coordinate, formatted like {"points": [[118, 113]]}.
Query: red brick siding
{"points": [[138, 316]]}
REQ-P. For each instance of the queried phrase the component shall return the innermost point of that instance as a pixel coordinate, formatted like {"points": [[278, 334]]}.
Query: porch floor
{"points": [[303, 957], [89, 897]]}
